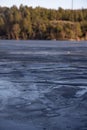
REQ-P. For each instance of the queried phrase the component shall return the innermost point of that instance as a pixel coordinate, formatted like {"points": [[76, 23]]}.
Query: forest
{"points": [[28, 23]]}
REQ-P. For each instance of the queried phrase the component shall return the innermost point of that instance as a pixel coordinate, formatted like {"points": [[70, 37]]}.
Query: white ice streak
{"points": [[37, 52], [81, 92]]}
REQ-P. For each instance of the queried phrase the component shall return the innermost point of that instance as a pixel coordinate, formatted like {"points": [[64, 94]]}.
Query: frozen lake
{"points": [[43, 85]]}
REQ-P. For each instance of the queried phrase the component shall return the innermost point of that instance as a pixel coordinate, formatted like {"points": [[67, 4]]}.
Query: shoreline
{"points": [[77, 40]]}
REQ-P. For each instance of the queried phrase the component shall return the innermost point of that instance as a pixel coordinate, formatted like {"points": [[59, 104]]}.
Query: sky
{"points": [[66, 4]]}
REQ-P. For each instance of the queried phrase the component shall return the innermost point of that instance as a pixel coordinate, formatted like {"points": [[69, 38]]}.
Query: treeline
{"points": [[41, 23]]}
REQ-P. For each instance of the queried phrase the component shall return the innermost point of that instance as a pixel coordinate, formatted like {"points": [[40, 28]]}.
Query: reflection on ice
{"points": [[7, 91], [31, 95]]}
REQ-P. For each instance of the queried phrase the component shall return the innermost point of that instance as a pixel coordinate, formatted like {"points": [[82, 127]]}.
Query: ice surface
{"points": [[43, 85]]}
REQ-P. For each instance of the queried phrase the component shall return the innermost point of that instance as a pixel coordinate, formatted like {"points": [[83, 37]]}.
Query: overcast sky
{"points": [[46, 3]]}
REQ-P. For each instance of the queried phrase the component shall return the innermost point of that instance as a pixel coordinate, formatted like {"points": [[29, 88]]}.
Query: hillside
{"points": [[41, 23]]}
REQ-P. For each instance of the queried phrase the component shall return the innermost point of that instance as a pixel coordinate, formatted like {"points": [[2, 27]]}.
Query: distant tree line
{"points": [[41, 23]]}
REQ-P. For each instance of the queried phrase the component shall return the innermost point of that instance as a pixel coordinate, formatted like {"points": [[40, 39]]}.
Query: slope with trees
{"points": [[41, 23]]}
